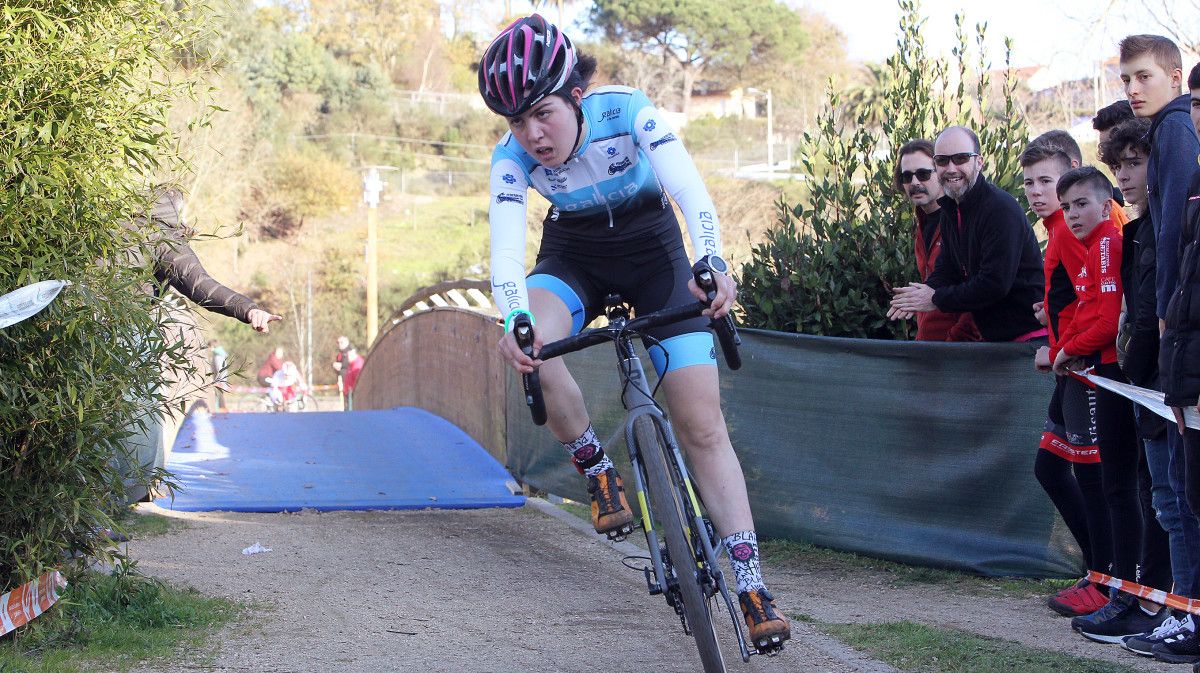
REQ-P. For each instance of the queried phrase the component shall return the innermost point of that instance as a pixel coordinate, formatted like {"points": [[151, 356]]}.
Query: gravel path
{"points": [[510, 590]]}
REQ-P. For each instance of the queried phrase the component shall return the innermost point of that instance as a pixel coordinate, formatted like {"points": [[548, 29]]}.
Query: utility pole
{"points": [[372, 187], [770, 133]]}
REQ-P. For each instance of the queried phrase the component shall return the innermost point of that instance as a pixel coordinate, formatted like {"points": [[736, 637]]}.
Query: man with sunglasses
{"points": [[990, 263], [915, 177]]}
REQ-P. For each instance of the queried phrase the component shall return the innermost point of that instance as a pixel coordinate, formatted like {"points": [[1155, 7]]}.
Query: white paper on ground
{"points": [[27, 301], [255, 548]]}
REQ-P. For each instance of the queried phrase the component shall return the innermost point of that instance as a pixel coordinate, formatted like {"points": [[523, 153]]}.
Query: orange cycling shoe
{"points": [[611, 514], [767, 625]]}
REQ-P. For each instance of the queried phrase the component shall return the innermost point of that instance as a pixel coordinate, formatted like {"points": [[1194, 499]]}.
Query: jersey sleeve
{"points": [[678, 175], [506, 218]]}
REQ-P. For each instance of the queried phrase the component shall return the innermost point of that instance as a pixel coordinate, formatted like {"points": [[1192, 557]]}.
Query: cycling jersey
{"points": [[608, 194]]}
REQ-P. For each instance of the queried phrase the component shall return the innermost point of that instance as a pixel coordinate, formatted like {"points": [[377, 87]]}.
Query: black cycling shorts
{"points": [[650, 273], [1071, 421]]}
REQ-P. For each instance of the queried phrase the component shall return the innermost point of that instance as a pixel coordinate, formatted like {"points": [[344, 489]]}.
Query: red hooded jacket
{"points": [[1093, 330]]}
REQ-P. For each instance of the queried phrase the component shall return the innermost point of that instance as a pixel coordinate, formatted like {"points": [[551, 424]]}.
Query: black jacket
{"points": [[1141, 318], [175, 263], [990, 263], [1179, 353]]}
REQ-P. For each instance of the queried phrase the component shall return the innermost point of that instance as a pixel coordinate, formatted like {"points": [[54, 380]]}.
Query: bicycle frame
{"points": [[638, 401]]}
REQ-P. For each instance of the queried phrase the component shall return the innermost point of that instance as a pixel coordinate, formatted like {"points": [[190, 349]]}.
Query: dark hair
{"points": [[1132, 134], [1037, 152], [975, 147], [581, 74], [1062, 141], [1164, 52], [1111, 115], [1088, 176], [920, 145], [1194, 77]]}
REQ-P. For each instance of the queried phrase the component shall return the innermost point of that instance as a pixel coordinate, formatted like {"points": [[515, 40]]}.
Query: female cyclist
{"points": [[606, 161]]}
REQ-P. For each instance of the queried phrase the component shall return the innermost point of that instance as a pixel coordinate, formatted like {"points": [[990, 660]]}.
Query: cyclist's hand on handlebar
{"points": [[511, 352], [726, 295]]}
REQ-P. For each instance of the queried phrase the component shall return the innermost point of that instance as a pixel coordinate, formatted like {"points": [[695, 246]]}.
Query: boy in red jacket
{"points": [[1090, 341], [1068, 462]]}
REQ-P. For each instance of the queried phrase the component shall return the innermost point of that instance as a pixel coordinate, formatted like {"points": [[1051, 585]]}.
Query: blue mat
{"points": [[403, 458]]}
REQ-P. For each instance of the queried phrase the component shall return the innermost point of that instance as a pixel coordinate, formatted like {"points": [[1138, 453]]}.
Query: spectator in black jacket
{"points": [[990, 263], [1126, 151], [176, 265], [1179, 355]]}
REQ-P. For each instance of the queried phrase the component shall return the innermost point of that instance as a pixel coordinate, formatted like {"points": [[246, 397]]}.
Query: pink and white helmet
{"points": [[527, 61]]}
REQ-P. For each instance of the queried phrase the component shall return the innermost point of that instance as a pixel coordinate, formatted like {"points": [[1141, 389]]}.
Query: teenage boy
{"points": [[1179, 364], [1194, 89], [1068, 462], [1064, 142], [1090, 341], [915, 176], [1109, 116], [1152, 72], [1126, 151]]}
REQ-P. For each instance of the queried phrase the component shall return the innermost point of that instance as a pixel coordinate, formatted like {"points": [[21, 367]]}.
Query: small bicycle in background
{"points": [[685, 561]]}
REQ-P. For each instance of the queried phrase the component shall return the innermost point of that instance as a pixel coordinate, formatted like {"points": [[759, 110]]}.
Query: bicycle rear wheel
{"points": [[666, 502]]}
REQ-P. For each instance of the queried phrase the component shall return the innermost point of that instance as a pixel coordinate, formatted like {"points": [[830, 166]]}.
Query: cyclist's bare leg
{"points": [[566, 414], [694, 399], [695, 403]]}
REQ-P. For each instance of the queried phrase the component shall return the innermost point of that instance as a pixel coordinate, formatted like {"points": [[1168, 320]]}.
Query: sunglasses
{"points": [[958, 159], [922, 174]]}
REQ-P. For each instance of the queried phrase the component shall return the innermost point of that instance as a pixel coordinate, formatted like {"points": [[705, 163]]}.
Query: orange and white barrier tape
{"points": [[1154, 595], [21, 605]]}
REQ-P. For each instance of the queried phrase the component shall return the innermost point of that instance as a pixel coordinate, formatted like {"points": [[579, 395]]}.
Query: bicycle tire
{"points": [[669, 514]]}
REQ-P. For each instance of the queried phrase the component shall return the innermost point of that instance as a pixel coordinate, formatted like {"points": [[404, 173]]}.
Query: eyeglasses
{"points": [[958, 159], [922, 174]]}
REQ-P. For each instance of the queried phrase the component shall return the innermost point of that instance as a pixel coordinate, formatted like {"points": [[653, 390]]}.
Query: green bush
{"points": [[828, 265], [83, 114]]}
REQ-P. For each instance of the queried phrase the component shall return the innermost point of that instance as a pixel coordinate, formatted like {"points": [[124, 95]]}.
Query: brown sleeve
{"points": [[176, 264]]}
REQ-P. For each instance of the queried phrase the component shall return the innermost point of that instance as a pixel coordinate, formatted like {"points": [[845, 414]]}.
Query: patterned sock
{"points": [[587, 454], [743, 556]]}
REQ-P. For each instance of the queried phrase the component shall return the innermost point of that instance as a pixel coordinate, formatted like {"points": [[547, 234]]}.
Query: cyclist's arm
{"points": [[506, 216], [678, 175]]}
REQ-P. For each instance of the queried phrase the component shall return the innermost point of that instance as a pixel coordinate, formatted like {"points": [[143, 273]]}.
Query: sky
{"points": [[1068, 36]]}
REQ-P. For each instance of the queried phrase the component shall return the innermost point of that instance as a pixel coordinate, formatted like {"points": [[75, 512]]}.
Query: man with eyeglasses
{"points": [[915, 177], [990, 263]]}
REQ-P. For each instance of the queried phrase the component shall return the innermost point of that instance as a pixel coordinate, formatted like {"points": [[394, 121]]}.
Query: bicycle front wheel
{"points": [[670, 514]]}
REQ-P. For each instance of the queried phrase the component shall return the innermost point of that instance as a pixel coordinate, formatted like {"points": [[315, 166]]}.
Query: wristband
{"points": [[513, 314]]}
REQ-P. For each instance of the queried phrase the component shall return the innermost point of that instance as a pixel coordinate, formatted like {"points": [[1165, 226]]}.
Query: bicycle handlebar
{"points": [[724, 328]]}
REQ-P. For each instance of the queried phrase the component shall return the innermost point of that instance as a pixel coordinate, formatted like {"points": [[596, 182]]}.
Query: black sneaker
{"points": [[1182, 648], [1120, 618], [1171, 627]]}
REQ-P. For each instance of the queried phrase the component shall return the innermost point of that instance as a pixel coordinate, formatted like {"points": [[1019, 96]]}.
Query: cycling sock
{"points": [[587, 454], [743, 556]]}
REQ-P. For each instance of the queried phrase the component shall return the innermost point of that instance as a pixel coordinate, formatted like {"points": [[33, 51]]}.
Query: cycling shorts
{"points": [[650, 273], [1071, 421]]}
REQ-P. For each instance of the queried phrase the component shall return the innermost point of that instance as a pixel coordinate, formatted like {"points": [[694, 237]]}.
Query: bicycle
{"points": [[685, 562]]}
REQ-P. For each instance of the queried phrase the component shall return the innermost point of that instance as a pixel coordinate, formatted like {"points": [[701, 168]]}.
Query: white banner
{"points": [[26, 301], [1150, 399]]}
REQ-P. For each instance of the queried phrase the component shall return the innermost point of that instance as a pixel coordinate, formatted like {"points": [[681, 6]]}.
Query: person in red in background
{"points": [[1091, 341], [273, 363], [351, 367], [915, 176], [343, 344], [1068, 461]]}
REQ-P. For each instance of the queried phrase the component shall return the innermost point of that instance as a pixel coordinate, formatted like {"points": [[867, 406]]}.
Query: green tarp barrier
{"points": [[916, 452]]}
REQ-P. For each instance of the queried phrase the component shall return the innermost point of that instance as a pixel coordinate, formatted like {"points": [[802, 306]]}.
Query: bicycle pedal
{"points": [[619, 534], [770, 646]]}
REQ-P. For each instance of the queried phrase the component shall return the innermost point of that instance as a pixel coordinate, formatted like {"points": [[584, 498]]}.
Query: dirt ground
{"points": [[511, 590]]}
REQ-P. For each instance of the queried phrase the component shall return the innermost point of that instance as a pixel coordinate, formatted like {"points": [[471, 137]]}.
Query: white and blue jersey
{"points": [[611, 191]]}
